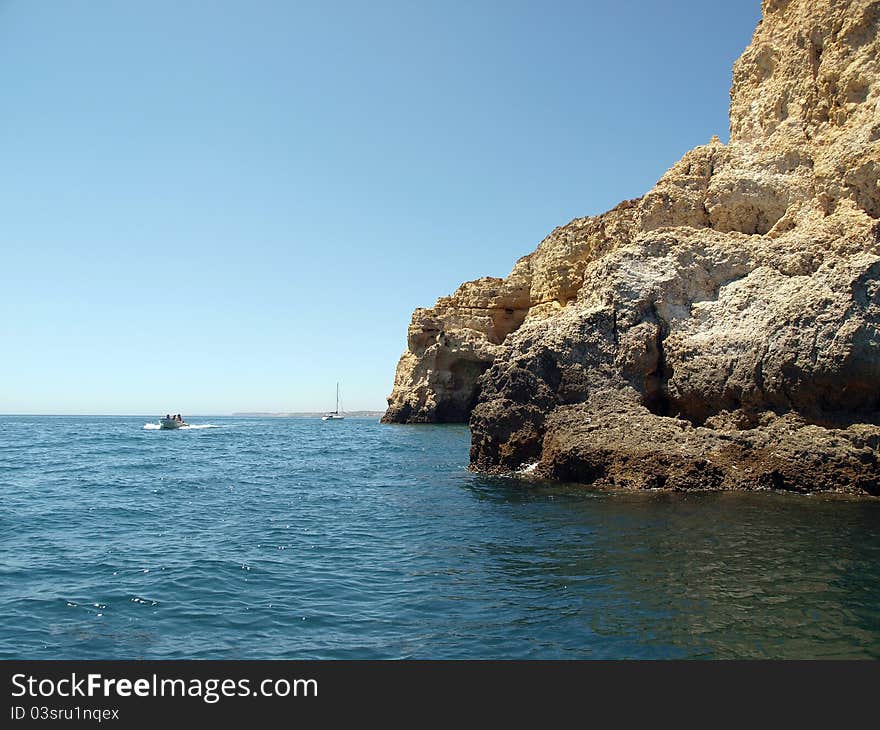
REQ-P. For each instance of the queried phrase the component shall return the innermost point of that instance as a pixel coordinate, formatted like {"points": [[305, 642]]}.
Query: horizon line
{"points": [[194, 415]]}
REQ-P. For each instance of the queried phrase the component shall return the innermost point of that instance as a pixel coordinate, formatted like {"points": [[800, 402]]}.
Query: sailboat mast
{"points": [[337, 396]]}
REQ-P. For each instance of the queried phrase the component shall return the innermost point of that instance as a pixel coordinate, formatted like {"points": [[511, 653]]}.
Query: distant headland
{"points": [[306, 414]]}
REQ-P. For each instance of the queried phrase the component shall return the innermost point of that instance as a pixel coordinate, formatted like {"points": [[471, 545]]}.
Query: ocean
{"points": [[265, 538]]}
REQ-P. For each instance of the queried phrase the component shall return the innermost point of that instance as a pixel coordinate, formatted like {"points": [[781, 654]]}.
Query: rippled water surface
{"points": [[294, 538]]}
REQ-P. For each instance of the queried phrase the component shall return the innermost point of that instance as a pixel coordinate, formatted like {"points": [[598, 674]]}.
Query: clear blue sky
{"points": [[219, 206]]}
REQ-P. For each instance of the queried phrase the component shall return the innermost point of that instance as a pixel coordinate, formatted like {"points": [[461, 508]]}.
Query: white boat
{"points": [[171, 423], [334, 415]]}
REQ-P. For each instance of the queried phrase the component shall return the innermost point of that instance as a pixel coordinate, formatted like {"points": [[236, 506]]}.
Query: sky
{"points": [[210, 207]]}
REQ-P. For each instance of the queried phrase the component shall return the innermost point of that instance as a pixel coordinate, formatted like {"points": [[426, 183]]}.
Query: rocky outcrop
{"points": [[452, 344], [723, 331]]}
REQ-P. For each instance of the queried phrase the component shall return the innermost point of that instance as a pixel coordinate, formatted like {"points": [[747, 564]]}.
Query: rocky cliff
{"points": [[723, 330]]}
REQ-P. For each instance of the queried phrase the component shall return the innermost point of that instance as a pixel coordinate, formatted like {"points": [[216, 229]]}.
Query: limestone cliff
{"points": [[721, 331]]}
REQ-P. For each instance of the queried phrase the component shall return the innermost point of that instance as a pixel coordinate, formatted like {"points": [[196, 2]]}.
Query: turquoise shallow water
{"points": [[288, 538]]}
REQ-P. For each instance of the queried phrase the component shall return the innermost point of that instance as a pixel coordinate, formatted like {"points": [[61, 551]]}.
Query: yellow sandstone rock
{"points": [[738, 301]]}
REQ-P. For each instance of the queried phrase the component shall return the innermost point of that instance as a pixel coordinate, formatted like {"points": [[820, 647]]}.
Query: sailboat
{"points": [[334, 415]]}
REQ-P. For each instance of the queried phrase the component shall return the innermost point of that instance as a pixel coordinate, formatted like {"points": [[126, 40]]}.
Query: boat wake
{"points": [[188, 427]]}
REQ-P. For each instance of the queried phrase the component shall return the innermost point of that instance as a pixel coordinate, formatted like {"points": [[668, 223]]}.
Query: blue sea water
{"points": [[295, 538]]}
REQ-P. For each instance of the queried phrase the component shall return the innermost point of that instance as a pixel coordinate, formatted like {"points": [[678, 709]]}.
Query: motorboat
{"points": [[171, 423]]}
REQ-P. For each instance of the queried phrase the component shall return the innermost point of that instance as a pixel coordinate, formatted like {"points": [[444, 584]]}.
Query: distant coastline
{"points": [[308, 414]]}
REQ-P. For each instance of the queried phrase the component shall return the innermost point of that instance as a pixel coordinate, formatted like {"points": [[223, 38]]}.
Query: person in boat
{"points": [[179, 418], [167, 417]]}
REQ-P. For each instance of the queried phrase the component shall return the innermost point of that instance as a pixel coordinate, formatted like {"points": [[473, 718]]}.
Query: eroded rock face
{"points": [[723, 330], [612, 440]]}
